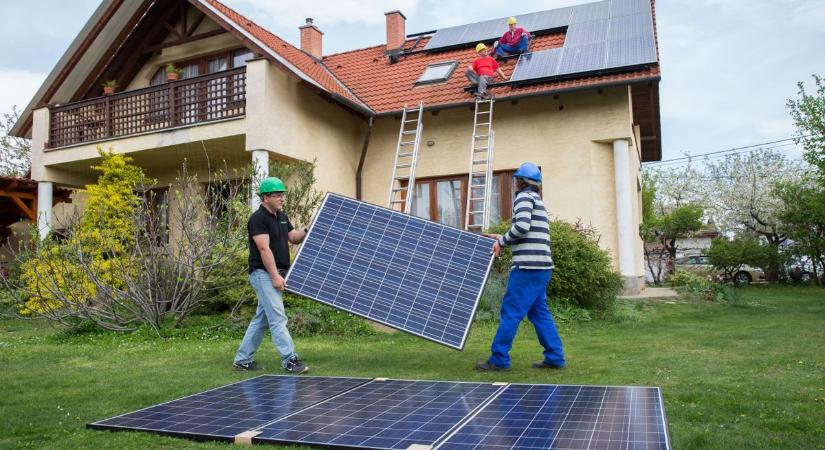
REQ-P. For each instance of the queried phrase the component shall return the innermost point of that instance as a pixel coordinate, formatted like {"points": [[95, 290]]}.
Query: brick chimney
{"points": [[396, 35], [312, 39]]}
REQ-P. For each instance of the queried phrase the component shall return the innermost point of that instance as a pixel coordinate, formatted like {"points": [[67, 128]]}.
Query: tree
{"points": [[15, 152], [730, 256], [804, 217], [808, 113], [662, 226], [741, 197], [302, 198]]}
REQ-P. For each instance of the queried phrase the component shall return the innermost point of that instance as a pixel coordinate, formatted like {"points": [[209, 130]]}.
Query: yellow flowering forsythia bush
{"points": [[58, 275]]}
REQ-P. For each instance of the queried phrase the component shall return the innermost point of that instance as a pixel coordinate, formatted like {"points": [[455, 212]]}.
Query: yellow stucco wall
{"points": [[573, 146], [292, 122]]}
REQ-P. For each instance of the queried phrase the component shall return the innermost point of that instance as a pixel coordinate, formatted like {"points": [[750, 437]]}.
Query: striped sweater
{"points": [[530, 233]]}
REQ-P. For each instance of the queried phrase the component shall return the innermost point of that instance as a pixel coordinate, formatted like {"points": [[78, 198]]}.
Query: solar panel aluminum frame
{"points": [[459, 347]]}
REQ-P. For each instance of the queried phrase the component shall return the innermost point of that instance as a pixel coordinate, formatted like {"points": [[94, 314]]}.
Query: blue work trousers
{"points": [[526, 296], [521, 47]]}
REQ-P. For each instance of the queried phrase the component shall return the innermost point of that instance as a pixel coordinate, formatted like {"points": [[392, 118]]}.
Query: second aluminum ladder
{"points": [[480, 186]]}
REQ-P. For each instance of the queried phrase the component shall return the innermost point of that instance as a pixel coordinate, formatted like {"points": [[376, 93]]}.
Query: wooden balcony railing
{"points": [[207, 98]]}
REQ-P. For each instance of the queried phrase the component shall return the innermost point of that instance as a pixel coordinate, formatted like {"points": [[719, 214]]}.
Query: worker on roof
{"points": [[526, 295], [482, 70], [515, 40]]}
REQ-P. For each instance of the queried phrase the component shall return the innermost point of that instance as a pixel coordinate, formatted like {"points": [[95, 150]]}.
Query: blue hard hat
{"points": [[528, 170]]}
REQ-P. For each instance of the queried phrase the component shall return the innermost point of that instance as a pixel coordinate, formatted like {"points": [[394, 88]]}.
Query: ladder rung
{"points": [[405, 154], [408, 143], [411, 121], [483, 123], [403, 166], [410, 132], [480, 161], [398, 201], [487, 147], [483, 112], [482, 136], [476, 199], [476, 212], [399, 189]]}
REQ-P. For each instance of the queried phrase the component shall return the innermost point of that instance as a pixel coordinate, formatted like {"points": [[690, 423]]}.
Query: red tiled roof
{"points": [[313, 68], [386, 87]]}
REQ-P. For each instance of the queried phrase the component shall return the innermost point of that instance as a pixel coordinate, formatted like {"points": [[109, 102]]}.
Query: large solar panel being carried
{"points": [[408, 273], [600, 37], [404, 414]]}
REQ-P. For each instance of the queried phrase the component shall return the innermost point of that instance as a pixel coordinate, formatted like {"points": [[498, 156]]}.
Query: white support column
{"points": [[624, 214], [260, 161], [45, 194]]}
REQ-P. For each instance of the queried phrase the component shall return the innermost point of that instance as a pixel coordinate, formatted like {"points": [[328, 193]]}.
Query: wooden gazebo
{"points": [[18, 201]]}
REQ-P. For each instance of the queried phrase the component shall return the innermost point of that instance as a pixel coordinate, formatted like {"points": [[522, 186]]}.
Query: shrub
{"points": [[308, 317], [489, 306], [583, 276], [701, 287]]}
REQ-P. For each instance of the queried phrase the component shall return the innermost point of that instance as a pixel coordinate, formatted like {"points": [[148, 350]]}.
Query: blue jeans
{"points": [[521, 47], [269, 315], [526, 296]]}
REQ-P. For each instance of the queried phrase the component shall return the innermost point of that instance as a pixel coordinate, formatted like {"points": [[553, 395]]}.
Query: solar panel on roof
{"points": [[390, 414], [583, 58], [590, 11], [631, 52], [586, 33], [527, 417], [537, 64], [409, 273], [224, 412], [632, 25], [626, 7]]}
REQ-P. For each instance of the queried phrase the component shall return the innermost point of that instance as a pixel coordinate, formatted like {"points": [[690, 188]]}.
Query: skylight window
{"points": [[435, 73]]}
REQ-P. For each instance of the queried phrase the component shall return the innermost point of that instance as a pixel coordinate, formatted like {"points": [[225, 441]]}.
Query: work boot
{"points": [[295, 366], [484, 366], [546, 365], [250, 366]]}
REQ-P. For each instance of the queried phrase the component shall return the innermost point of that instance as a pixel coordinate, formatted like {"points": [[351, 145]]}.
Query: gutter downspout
{"points": [[363, 157]]}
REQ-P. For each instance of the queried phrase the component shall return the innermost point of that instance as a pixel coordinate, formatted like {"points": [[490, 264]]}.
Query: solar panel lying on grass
{"points": [[388, 414], [224, 412], [404, 414], [526, 417], [399, 270]]}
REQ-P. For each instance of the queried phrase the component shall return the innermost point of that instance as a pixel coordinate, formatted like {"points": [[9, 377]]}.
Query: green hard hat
{"points": [[271, 184]]}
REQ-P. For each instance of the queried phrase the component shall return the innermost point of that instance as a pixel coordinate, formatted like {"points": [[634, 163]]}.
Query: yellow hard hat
{"points": [[480, 47], [511, 21]]}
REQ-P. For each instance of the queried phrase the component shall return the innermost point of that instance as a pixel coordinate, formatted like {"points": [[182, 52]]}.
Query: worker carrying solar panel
{"points": [[526, 295], [482, 71], [515, 40]]}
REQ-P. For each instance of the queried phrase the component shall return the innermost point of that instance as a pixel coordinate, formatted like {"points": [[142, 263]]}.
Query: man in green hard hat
{"points": [[270, 233]]}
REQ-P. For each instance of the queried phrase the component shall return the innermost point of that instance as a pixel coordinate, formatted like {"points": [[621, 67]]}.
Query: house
{"points": [[246, 95]]}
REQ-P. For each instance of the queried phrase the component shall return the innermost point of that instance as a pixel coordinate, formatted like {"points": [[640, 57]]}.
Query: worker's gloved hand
{"points": [[496, 249]]}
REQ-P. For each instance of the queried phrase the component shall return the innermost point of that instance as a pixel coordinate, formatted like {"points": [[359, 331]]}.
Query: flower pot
{"points": [[171, 76], [108, 90]]}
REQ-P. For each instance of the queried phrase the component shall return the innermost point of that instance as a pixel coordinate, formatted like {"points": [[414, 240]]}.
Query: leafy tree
{"points": [[804, 217], [808, 113], [742, 199], [15, 152], [302, 199], [662, 226], [730, 256]]}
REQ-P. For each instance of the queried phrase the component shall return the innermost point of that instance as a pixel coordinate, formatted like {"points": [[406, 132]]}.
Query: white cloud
{"points": [[326, 12], [17, 87]]}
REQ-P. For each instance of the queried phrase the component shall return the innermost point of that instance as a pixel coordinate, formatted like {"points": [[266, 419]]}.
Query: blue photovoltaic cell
{"points": [[584, 58], [223, 413], [631, 52], [631, 26], [388, 414], [625, 7], [587, 33], [537, 64], [403, 271], [527, 417], [590, 11]]}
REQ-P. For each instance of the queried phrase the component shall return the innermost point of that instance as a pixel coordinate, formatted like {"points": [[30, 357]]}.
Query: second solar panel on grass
{"points": [[403, 271]]}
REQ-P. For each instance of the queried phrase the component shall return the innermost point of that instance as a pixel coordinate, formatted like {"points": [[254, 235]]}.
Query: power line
{"points": [[734, 149], [702, 158]]}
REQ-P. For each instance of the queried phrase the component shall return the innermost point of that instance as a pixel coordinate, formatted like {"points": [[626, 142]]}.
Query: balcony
{"points": [[193, 101]]}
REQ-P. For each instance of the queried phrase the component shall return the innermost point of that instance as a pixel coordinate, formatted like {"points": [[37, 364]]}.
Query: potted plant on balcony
{"points": [[173, 73], [109, 87]]}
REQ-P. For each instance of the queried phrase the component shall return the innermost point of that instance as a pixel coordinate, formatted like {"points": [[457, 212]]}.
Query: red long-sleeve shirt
{"points": [[512, 37], [485, 65]]}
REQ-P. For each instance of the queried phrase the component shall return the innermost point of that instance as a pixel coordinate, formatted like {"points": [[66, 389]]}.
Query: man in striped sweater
{"points": [[532, 270]]}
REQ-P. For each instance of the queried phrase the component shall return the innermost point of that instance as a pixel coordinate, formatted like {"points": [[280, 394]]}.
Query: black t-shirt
{"points": [[277, 226]]}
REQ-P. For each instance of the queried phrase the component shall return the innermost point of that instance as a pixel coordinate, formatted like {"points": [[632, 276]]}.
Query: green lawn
{"points": [[745, 376]]}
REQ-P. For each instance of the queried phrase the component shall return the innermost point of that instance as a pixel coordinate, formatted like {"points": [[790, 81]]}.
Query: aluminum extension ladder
{"points": [[480, 186], [406, 156]]}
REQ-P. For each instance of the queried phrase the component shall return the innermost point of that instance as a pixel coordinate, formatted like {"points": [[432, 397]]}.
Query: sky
{"points": [[728, 66]]}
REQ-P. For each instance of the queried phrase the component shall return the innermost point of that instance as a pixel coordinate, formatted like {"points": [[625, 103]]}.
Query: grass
{"points": [[745, 376]]}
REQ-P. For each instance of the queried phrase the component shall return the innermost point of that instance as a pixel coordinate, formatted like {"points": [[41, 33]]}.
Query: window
{"points": [[154, 215], [443, 199], [435, 73], [240, 57]]}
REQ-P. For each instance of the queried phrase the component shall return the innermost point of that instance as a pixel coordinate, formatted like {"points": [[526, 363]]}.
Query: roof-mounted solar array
{"points": [[600, 37]]}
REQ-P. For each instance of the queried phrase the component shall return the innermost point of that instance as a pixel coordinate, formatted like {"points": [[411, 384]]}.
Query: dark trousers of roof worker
{"points": [[480, 81], [526, 296], [521, 47], [270, 316]]}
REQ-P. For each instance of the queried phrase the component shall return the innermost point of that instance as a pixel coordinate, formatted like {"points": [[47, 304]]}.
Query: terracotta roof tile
{"points": [[295, 56]]}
